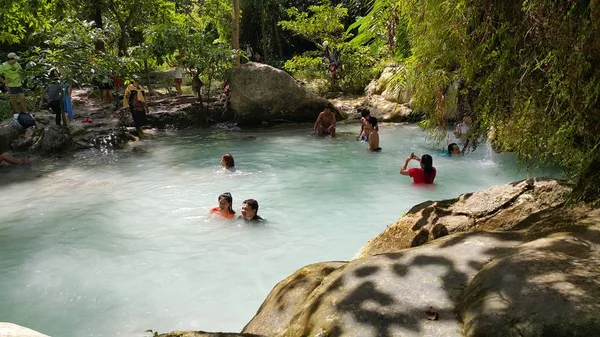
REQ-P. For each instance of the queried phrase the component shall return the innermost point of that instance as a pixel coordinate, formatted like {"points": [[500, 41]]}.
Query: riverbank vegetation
{"points": [[525, 71]]}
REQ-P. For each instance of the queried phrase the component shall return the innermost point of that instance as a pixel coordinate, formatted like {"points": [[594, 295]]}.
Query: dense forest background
{"points": [[525, 71]]}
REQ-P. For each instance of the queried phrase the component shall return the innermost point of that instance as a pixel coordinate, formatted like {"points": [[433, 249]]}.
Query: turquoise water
{"points": [[118, 243]]}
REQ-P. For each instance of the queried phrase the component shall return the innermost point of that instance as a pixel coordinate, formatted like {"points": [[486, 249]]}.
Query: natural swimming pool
{"points": [[119, 243]]}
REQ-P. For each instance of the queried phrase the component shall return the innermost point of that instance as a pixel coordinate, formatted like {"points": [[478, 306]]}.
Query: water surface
{"points": [[118, 243]]}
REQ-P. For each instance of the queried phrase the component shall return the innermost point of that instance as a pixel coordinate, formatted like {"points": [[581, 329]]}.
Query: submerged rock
{"points": [[14, 330], [261, 93], [504, 207]]}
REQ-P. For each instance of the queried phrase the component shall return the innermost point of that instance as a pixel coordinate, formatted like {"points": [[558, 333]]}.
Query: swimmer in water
{"points": [[224, 209], [227, 162], [12, 160], [249, 212]]}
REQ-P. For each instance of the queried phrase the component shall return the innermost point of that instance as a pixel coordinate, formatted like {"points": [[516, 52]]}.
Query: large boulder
{"points": [[263, 94], [8, 133], [56, 139], [512, 206], [28, 139], [548, 287], [383, 295], [288, 297], [14, 330]]}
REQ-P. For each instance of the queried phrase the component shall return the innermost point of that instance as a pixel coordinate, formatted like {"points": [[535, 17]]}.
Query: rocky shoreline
{"points": [[511, 260]]}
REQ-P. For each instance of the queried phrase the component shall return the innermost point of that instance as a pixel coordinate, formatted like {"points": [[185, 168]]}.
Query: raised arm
{"points": [[404, 169]]}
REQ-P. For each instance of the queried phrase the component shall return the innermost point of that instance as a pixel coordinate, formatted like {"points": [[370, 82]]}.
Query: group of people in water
{"points": [[369, 133], [225, 210]]}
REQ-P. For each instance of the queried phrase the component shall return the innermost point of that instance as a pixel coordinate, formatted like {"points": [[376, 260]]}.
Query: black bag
{"points": [[26, 120]]}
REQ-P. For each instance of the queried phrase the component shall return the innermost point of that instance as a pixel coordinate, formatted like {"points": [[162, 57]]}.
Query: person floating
{"points": [[325, 123], [12, 160], [227, 162], [373, 135], [11, 70], [249, 212], [134, 98], [453, 149], [421, 175], [224, 209]]}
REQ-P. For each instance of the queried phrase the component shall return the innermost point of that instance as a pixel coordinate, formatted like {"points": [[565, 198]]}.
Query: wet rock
{"points": [[548, 287], [287, 298], [8, 134], [28, 139], [504, 207], [56, 139], [261, 93], [14, 330]]}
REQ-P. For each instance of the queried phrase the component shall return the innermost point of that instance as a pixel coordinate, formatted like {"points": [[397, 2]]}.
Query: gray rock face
{"points": [[8, 133], [548, 287], [504, 207], [261, 93], [56, 139], [13, 330]]}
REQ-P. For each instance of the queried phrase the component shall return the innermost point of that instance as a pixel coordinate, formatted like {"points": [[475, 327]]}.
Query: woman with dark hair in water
{"points": [[421, 175], [227, 162], [224, 209]]}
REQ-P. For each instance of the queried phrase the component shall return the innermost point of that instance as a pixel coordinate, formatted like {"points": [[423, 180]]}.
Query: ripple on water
{"points": [[119, 243]]}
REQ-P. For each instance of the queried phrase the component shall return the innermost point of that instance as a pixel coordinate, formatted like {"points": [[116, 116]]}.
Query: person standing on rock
{"points": [[134, 98], [54, 92], [178, 80], [11, 70], [325, 123]]}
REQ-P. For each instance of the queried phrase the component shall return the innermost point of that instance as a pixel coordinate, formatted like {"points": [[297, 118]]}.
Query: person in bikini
{"points": [[364, 122], [325, 123]]}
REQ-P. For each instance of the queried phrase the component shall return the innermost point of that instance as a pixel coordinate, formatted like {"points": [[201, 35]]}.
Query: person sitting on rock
{"points": [[249, 212], [421, 175], [227, 162], [12, 160], [224, 209], [325, 123], [373, 135]]}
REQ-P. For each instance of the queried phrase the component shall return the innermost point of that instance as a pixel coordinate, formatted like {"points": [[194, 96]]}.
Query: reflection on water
{"points": [[122, 243]]}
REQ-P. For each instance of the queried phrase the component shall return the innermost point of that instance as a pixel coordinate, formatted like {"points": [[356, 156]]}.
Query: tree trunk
{"points": [[99, 44], [276, 38], [147, 70], [236, 30], [264, 40], [122, 40]]}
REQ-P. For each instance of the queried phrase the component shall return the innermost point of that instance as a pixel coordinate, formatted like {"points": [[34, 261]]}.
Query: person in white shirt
{"points": [[178, 80]]}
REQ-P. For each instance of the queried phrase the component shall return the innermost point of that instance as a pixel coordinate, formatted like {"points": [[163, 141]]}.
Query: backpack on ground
{"points": [[26, 120]]}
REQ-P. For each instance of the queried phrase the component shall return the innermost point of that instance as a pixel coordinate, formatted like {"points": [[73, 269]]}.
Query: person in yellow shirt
{"points": [[11, 70], [134, 98]]}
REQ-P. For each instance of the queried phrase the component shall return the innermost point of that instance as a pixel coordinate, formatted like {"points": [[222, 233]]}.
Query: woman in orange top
{"points": [[224, 209]]}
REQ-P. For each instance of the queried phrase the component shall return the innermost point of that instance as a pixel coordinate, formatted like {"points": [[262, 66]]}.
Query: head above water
{"points": [[373, 121], [225, 201], [249, 209], [453, 148], [427, 166], [227, 161], [364, 113]]}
